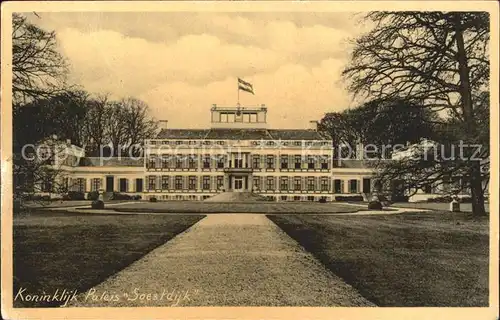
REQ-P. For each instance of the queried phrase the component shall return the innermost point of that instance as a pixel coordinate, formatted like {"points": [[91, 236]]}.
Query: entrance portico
{"points": [[238, 182]]}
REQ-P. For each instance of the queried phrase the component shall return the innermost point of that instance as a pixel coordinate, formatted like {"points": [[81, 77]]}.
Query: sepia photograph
{"points": [[224, 155]]}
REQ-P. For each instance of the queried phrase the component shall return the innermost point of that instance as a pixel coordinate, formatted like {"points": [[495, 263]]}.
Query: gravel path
{"points": [[225, 260]]}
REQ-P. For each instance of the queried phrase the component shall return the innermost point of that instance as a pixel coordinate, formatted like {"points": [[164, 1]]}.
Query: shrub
{"points": [[465, 199], [152, 199], [348, 198], [440, 199], [137, 197], [374, 205], [322, 200], [93, 195], [399, 198], [74, 195], [45, 198], [121, 196], [97, 204]]}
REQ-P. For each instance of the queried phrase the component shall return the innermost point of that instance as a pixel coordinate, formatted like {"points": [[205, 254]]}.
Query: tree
{"points": [[437, 60], [62, 115], [378, 123], [38, 69]]}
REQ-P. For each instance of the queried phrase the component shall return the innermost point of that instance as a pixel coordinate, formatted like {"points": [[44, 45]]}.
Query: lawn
{"points": [[402, 260], [78, 251], [235, 207], [465, 207]]}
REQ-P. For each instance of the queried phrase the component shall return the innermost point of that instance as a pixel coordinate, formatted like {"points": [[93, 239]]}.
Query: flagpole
{"points": [[238, 94]]}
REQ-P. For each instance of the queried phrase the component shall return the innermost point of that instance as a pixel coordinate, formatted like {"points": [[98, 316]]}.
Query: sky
{"points": [[181, 63]]}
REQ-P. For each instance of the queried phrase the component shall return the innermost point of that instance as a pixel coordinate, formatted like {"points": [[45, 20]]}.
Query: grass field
{"points": [[411, 259], [465, 207], [77, 251], [236, 207]]}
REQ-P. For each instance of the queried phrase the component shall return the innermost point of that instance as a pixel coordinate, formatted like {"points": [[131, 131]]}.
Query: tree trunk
{"points": [[468, 114]]}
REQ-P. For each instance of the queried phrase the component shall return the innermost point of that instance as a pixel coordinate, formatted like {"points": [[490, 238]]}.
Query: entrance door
{"points": [[110, 182], [238, 184]]}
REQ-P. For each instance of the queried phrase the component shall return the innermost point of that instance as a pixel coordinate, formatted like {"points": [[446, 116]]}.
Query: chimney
{"points": [[68, 142], [313, 125], [163, 124]]}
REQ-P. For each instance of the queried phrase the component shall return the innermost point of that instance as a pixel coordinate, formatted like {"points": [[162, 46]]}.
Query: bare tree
{"points": [[439, 61], [137, 123], [38, 69]]}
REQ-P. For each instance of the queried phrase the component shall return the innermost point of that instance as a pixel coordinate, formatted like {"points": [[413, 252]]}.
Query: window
{"points": [[256, 162], [206, 182], [310, 162], [96, 184], [253, 117], [256, 183], [324, 162], [178, 182], [123, 185], [270, 183], [164, 162], [164, 182], [284, 183], [220, 182], [192, 183], [296, 184], [310, 183], [270, 162], [353, 186], [284, 162], [367, 184], [80, 185], [337, 186], [310, 198], [151, 162], [298, 161], [220, 143], [297, 143], [220, 162], [178, 142], [206, 161], [427, 188], [178, 161], [192, 162], [138, 185], [324, 183], [223, 117], [151, 182], [284, 198], [296, 198], [238, 162]]}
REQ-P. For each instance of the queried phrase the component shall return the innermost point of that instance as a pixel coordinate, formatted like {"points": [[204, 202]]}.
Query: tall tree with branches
{"points": [[439, 61], [38, 69]]}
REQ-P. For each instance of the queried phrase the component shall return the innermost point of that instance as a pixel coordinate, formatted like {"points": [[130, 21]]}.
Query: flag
{"points": [[245, 86]]}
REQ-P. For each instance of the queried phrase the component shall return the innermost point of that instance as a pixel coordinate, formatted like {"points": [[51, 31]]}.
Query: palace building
{"points": [[237, 153]]}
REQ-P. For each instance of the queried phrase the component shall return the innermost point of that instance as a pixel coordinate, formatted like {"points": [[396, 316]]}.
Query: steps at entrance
{"points": [[236, 197]]}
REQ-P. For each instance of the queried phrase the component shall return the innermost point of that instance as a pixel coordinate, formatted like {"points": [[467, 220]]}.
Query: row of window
{"points": [[184, 182], [257, 162], [180, 197], [271, 143]]}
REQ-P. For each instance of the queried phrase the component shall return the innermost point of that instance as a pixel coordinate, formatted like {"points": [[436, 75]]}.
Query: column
{"points": [[250, 183], [226, 182]]}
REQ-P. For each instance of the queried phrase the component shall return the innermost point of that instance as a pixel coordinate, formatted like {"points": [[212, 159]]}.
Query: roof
{"points": [[240, 134], [112, 162]]}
